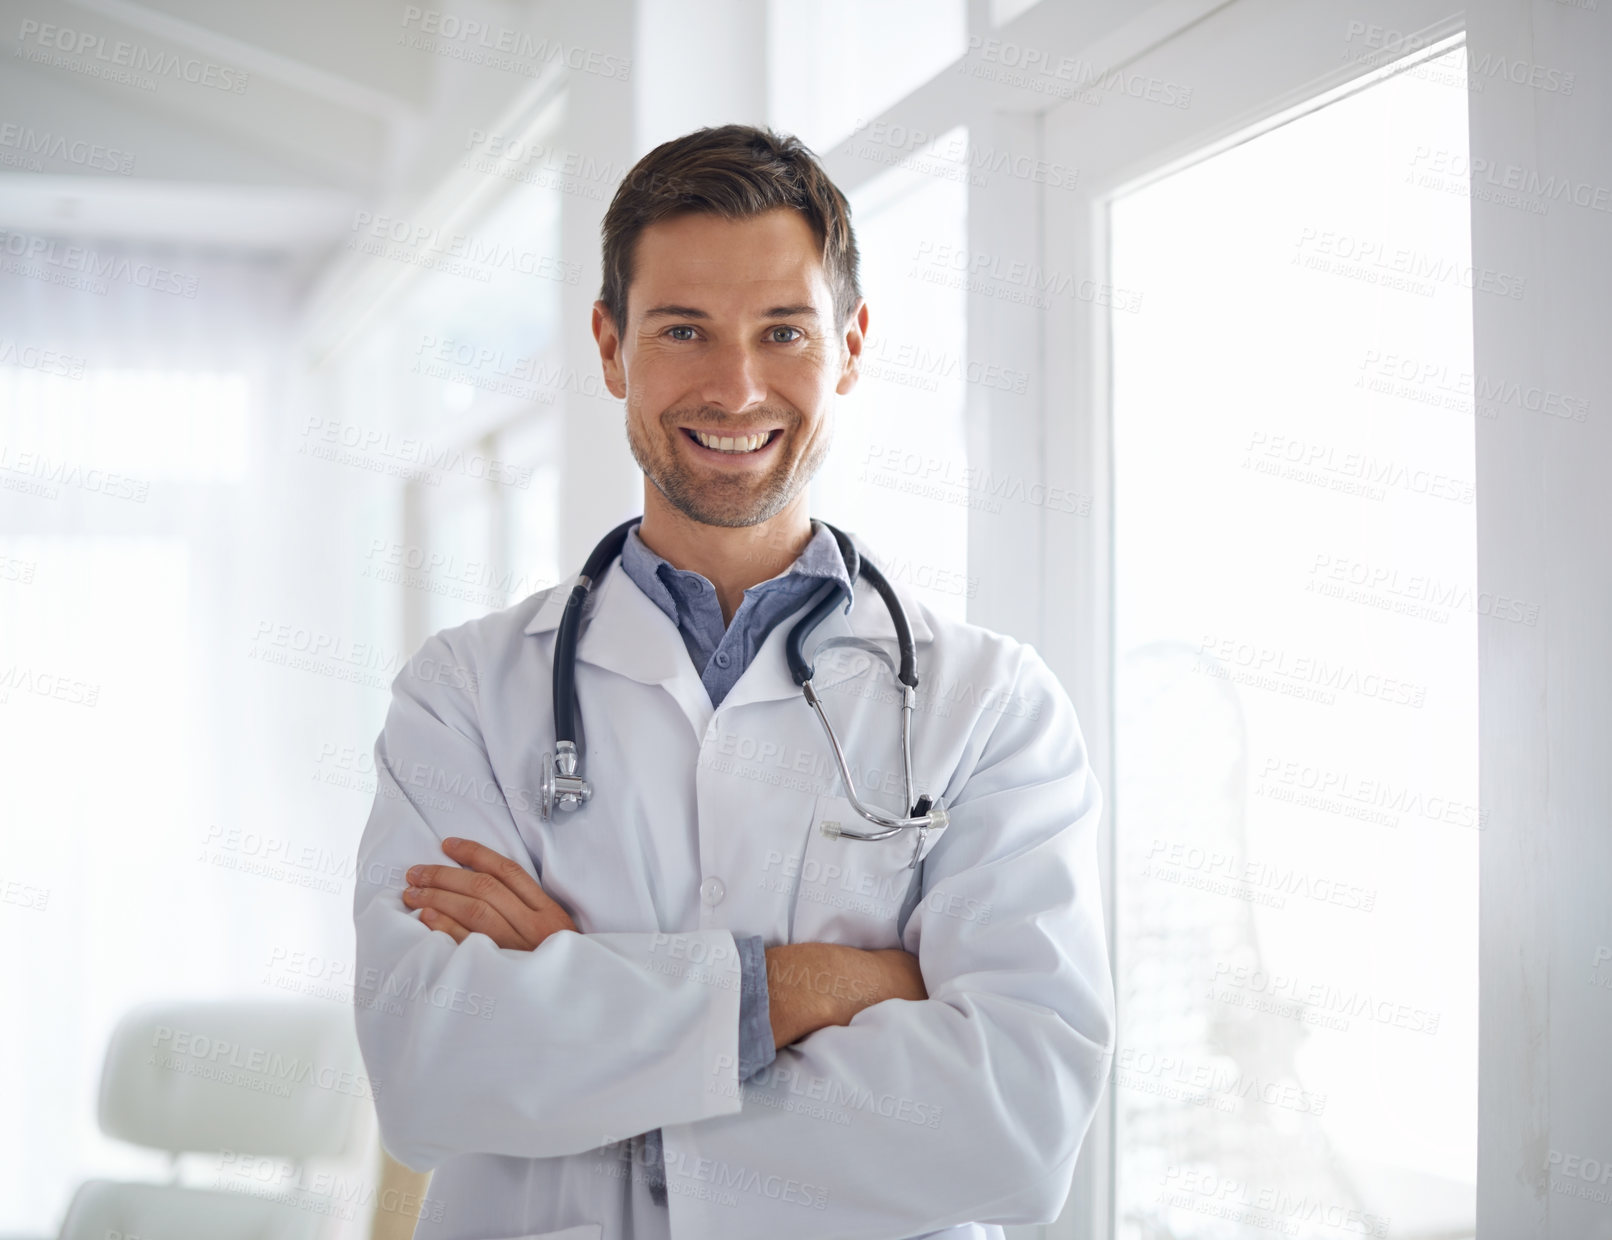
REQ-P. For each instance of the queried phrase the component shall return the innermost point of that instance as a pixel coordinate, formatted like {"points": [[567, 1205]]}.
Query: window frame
{"points": [[1044, 575]]}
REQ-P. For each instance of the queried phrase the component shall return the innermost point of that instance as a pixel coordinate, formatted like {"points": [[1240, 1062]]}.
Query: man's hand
{"points": [[813, 985], [485, 893]]}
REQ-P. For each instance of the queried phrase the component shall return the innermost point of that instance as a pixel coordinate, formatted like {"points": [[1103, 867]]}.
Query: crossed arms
{"points": [[809, 985], [1003, 1052]]}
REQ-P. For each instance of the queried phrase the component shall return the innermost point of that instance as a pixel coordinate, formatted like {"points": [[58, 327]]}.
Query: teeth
{"points": [[725, 443]]}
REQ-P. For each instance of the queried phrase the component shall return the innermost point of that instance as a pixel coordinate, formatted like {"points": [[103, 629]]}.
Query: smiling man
{"points": [[695, 1006]]}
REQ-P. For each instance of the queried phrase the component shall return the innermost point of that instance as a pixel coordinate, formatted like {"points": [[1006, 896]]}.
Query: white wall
{"points": [[1545, 698]]}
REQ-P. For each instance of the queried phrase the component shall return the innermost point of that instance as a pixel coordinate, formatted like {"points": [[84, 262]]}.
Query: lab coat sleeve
{"points": [[471, 1047], [970, 1105], [756, 1046]]}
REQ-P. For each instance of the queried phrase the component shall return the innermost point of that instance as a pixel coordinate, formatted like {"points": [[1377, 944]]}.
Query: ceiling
{"points": [[314, 109]]}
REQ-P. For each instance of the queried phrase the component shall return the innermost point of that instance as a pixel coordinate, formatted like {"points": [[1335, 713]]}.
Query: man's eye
{"points": [[683, 328], [792, 339]]}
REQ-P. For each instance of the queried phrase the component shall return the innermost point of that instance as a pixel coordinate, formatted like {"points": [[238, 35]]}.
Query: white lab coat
{"points": [[519, 1076]]}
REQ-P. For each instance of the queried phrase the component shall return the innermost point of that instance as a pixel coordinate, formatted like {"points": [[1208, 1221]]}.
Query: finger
{"points": [[487, 888], [444, 923], [471, 913], [474, 855]]}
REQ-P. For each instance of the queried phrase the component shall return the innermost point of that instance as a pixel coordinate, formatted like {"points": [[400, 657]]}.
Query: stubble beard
{"points": [[730, 501]]}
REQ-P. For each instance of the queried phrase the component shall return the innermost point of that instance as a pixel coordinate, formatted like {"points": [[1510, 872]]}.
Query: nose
{"points": [[732, 377]]}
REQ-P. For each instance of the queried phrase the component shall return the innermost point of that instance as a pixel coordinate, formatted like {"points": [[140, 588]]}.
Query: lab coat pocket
{"points": [[853, 891]]}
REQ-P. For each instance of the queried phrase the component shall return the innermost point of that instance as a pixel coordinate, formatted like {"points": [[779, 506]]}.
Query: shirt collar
{"points": [[819, 560]]}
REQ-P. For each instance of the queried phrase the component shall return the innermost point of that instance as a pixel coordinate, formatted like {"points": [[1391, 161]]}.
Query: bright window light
{"points": [[898, 472], [144, 425], [1296, 645]]}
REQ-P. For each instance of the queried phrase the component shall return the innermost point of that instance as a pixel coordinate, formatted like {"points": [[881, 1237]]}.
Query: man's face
{"points": [[730, 334]]}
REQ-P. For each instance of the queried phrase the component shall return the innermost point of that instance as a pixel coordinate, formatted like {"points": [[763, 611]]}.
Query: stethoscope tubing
{"points": [[563, 767]]}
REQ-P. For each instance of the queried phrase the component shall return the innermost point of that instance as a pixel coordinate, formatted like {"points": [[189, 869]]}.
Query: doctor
{"points": [[685, 1009]]}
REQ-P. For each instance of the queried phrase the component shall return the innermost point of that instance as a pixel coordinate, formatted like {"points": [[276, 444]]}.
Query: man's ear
{"points": [[610, 360], [855, 334]]}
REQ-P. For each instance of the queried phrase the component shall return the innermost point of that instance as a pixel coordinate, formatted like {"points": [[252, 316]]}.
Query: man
{"points": [[688, 1009]]}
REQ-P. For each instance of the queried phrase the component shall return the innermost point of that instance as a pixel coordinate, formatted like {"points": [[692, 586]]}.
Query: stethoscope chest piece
{"points": [[558, 784]]}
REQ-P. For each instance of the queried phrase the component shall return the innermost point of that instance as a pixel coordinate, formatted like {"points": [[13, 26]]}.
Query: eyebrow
{"points": [[689, 312]]}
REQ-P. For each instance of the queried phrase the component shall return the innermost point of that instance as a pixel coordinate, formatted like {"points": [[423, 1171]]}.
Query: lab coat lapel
{"points": [[624, 632], [767, 679]]}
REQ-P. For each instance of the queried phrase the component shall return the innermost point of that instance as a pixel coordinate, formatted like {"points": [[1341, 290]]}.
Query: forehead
{"points": [[728, 262]]}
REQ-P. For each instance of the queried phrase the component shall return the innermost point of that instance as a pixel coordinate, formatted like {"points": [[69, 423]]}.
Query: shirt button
{"points": [[722, 659], [712, 890]]}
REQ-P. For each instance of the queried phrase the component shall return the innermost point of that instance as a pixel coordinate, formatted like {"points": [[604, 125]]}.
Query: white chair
{"points": [[253, 1082]]}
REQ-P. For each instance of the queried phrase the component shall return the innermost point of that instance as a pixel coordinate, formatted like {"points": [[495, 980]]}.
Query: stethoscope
{"points": [[562, 783]]}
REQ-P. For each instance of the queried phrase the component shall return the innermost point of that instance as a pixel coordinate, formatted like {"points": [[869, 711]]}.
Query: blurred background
{"points": [[1246, 358]]}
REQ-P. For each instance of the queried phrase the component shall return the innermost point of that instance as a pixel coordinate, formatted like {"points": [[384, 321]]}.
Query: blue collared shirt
{"points": [[721, 652]]}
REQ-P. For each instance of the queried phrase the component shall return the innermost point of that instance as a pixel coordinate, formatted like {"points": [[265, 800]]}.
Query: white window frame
{"points": [[1049, 580], [1250, 64]]}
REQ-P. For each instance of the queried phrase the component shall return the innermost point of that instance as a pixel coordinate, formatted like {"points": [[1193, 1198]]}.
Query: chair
{"points": [[256, 1082]]}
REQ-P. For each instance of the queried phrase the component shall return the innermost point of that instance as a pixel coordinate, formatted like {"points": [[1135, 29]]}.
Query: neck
{"points": [[731, 558]]}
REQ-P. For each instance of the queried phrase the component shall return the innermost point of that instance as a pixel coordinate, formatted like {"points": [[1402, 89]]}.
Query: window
{"points": [[834, 65], [1296, 680], [897, 472], [122, 428]]}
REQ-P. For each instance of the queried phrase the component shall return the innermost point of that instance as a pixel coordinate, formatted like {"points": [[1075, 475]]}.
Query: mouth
{"points": [[730, 446]]}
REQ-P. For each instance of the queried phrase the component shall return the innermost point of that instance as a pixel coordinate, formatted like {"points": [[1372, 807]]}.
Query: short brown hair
{"points": [[736, 171]]}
